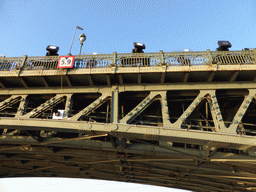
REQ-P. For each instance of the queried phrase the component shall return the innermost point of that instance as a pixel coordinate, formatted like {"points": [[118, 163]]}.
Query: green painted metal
{"points": [[97, 103], [113, 93], [134, 59], [180, 119]]}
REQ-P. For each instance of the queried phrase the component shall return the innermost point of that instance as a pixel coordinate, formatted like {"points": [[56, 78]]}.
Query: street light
{"points": [[52, 50], [82, 38], [138, 47], [73, 38], [223, 46]]}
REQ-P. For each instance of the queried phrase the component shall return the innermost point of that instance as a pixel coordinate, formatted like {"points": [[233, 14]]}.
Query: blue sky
{"points": [[28, 26]]}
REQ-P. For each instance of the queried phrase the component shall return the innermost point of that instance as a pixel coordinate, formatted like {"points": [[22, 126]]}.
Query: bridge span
{"points": [[180, 119]]}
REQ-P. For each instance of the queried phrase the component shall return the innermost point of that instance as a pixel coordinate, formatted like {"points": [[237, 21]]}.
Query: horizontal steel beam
{"points": [[133, 131], [142, 87]]}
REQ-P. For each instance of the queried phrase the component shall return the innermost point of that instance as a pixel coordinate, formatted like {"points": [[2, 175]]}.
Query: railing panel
{"points": [[186, 58], [9, 63], [93, 61], [233, 57], [138, 59], [41, 63]]}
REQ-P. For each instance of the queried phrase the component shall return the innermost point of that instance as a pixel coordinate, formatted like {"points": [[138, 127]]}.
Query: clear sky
{"points": [[28, 26]]}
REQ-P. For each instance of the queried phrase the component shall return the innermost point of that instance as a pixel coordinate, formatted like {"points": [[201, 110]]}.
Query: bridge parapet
{"points": [[133, 60]]}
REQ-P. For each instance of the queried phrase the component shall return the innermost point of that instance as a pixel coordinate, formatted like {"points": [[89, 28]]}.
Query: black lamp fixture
{"points": [[223, 46], [52, 50], [138, 47]]}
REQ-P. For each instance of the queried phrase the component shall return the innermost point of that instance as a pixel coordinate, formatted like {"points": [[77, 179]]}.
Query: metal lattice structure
{"points": [[181, 119]]}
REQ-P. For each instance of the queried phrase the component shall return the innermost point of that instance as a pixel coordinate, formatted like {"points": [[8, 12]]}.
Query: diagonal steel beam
{"points": [[241, 111], [89, 77], [185, 78], [22, 106], [97, 103], [190, 109], [234, 76], [68, 81], [215, 111], [165, 109], [68, 106], [43, 107], [9, 102], [210, 78], [23, 82], [2, 85], [140, 107], [44, 82]]}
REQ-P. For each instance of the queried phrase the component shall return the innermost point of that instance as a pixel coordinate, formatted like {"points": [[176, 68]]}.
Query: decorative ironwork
{"points": [[135, 60]]}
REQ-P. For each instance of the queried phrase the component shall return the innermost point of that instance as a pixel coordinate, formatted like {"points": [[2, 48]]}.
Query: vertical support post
{"points": [[107, 114], [114, 106], [206, 113], [22, 65], [22, 106], [161, 55], [254, 54], [68, 106], [208, 53], [23, 62], [114, 58]]}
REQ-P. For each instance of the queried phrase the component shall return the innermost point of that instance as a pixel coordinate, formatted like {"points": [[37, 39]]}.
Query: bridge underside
{"points": [[182, 129]]}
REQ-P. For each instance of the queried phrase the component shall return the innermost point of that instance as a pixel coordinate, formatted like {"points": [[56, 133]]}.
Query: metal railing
{"points": [[138, 59], [133, 60], [93, 61], [187, 58], [234, 57], [41, 63], [10, 63]]}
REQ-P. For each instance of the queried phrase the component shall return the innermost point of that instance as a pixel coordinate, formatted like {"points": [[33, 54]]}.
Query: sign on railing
{"points": [[66, 62]]}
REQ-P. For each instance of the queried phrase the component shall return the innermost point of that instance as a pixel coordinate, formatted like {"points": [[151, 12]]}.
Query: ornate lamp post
{"points": [[82, 38], [73, 38]]}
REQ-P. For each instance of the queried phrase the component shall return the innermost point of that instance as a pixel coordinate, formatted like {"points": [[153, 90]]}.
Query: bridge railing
{"points": [[138, 59], [93, 61], [133, 60], [187, 58], [40, 63], [233, 57], [9, 63]]}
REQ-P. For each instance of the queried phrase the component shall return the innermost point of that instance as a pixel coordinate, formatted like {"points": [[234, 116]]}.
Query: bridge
{"points": [[175, 119]]}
